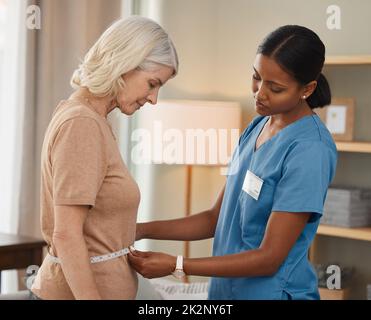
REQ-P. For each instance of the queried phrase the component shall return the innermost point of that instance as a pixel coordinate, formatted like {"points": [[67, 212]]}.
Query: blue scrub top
{"points": [[297, 166]]}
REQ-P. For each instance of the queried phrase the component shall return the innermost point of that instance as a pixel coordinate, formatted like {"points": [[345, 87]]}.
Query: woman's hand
{"points": [[152, 264]]}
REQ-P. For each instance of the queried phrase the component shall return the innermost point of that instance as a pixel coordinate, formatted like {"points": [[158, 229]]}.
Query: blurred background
{"points": [[216, 42]]}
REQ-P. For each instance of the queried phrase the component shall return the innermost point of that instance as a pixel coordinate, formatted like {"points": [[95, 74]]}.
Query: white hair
{"points": [[128, 44]]}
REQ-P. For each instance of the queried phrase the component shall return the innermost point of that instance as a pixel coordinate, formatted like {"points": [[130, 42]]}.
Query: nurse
{"points": [[267, 215]]}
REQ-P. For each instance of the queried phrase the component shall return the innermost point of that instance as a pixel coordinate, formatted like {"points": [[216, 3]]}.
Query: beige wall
{"points": [[216, 41]]}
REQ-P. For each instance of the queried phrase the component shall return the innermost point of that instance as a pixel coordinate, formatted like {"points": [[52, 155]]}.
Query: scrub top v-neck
{"points": [[296, 167]]}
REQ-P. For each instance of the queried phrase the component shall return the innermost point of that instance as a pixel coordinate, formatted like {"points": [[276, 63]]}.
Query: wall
{"points": [[217, 41]]}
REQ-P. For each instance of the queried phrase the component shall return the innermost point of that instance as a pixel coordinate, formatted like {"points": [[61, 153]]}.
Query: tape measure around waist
{"points": [[96, 259]]}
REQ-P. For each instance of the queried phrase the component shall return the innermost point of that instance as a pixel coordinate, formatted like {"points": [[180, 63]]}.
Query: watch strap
{"points": [[179, 263]]}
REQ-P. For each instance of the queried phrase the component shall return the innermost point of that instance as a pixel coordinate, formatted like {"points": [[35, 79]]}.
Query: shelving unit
{"points": [[348, 60], [349, 233], [359, 147]]}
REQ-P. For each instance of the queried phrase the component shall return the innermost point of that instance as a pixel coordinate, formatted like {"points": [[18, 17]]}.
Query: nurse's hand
{"points": [[152, 264]]}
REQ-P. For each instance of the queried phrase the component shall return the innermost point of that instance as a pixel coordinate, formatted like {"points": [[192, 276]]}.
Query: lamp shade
{"points": [[187, 132]]}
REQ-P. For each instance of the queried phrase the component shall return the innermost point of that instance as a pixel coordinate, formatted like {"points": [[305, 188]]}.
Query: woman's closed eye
{"points": [[272, 88], [276, 90], [151, 85]]}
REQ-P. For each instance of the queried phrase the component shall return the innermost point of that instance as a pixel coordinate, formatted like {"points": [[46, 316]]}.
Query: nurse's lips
{"points": [[260, 105]]}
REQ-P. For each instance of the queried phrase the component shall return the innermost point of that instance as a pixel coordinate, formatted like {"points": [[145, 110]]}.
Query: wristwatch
{"points": [[179, 272]]}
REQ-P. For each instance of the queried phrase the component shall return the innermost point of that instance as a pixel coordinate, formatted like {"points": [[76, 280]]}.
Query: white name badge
{"points": [[252, 185]]}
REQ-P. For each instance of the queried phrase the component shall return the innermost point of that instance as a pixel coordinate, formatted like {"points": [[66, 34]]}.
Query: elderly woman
{"points": [[89, 201]]}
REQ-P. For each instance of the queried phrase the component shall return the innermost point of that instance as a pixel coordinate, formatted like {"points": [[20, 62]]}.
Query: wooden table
{"points": [[19, 252]]}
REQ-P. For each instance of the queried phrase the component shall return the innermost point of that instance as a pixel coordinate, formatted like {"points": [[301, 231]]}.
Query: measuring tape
{"points": [[96, 259]]}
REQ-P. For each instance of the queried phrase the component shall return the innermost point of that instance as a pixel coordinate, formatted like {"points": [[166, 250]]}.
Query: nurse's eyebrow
{"points": [[269, 81]]}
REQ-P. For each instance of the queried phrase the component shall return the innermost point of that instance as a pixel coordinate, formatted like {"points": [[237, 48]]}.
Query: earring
{"points": [[304, 97]]}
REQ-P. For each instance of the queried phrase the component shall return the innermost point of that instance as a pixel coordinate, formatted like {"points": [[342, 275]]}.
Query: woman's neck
{"points": [[102, 105], [282, 120]]}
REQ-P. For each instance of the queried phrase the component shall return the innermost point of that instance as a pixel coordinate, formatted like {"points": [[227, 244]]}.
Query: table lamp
{"points": [[188, 132]]}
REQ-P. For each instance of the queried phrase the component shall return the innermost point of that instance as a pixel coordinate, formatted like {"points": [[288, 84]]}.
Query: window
{"points": [[3, 15], [12, 83]]}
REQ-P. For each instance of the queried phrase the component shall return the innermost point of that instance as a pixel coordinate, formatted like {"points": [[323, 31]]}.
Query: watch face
{"points": [[178, 274]]}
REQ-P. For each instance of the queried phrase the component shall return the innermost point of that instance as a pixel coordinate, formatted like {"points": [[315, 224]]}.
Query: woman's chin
{"points": [[127, 111], [261, 111]]}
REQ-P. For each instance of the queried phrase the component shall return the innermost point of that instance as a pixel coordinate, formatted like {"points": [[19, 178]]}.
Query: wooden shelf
{"points": [[350, 233], [348, 60], [337, 294], [361, 147]]}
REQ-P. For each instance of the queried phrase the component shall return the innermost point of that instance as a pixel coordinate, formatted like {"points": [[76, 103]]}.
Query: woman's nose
{"points": [[260, 94], [152, 98]]}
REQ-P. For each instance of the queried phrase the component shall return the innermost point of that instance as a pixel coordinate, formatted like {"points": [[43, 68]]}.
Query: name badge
{"points": [[252, 185]]}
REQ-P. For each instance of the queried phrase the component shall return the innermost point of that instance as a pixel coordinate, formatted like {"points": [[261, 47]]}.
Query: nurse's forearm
{"points": [[249, 263], [195, 227]]}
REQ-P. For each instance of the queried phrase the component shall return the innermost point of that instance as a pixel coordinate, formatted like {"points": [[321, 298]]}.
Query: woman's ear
{"points": [[309, 89]]}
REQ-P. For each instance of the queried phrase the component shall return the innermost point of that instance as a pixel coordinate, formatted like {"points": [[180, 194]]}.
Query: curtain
{"points": [[44, 63]]}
